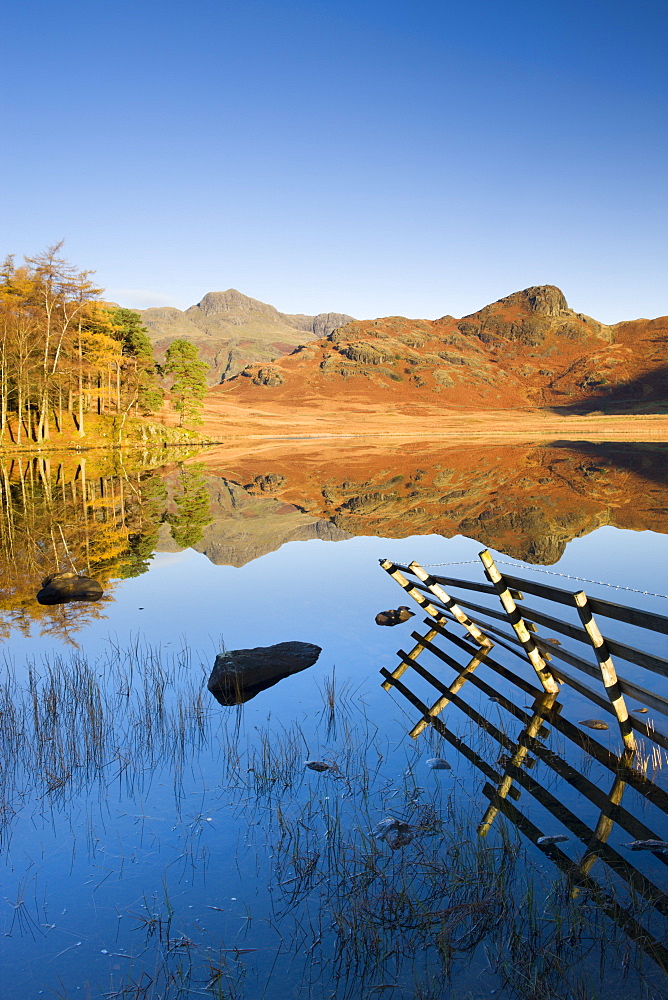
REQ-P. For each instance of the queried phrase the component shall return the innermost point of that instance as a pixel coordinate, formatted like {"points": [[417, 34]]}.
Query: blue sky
{"points": [[371, 157]]}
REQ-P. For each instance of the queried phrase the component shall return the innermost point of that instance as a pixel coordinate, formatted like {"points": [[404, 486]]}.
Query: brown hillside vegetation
{"points": [[527, 351]]}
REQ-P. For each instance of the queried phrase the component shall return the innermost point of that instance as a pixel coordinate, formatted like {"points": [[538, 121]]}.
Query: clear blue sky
{"points": [[371, 157]]}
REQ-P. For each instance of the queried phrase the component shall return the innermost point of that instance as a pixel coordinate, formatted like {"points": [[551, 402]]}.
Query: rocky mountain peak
{"points": [[546, 300], [229, 301]]}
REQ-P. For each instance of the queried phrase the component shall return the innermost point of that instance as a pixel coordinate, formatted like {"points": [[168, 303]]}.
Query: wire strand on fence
{"points": [[549, 572]]}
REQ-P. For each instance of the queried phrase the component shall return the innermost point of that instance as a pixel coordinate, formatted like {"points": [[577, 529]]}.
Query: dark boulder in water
{"points": [[395, 616], [63, 587], [239, 674]]}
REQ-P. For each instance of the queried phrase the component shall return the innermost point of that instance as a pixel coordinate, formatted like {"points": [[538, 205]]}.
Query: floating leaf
{"points": [[317, 765], [593, 723], [555, 838], [439, 764]]}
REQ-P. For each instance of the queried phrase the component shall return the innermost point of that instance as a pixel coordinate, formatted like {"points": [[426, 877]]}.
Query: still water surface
{"points": [[158, 844]]}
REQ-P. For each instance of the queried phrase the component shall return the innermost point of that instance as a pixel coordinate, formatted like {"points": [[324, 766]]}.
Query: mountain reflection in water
{"points": [[105, 514]]}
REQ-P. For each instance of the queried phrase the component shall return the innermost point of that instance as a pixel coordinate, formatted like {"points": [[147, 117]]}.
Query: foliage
{"points": [[188, 380], [193, 507], [65, 354]]}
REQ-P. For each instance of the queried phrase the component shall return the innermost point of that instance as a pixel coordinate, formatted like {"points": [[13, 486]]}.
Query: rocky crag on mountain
{"points": [[529, 349], [233, 330]]}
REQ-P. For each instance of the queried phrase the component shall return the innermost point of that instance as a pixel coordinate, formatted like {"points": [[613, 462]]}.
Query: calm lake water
{"points": [[158, 844]]}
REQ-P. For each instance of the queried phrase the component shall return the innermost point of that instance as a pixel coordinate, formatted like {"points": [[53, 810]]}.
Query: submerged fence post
{"points": [[439, 593], [413, 655], [453, 688], [532, 729], [519, 625], [607, 667]]}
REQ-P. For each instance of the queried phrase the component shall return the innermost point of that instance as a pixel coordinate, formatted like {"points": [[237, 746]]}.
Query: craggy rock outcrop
{"points": [[239, 674], [60, 588], [527, 350], [233, 330]]}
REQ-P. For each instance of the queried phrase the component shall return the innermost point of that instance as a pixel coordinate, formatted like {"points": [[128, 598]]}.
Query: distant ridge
{"points": [[527, 350], [233, 330]]}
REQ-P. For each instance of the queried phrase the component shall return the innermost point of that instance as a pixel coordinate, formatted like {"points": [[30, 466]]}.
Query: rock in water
{"points": [[317, 765], [394, 832], [63, 587], [439, 764], [395, 616], [239, 674], [593, 723], [648, 845], [555, 838]]}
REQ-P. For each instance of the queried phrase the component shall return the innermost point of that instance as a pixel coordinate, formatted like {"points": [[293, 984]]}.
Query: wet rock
{"points": [[555, 838], [395, 832], [439, 764], [648, 845], [317, 765], [593, 724], [239, 674], [394, 616], [60, 588]]}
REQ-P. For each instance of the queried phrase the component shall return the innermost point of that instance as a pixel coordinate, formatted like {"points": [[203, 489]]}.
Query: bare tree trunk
{"points": [[81, 394]]}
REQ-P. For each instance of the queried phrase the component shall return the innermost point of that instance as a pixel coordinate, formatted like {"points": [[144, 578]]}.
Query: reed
{"points": [[348, 914]]}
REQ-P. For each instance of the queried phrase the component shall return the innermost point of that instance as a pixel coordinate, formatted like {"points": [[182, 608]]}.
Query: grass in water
{"points": [[369, 875]]}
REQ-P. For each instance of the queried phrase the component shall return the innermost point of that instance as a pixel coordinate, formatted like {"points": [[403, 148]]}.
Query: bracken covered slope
{"points": [[526, 350]]}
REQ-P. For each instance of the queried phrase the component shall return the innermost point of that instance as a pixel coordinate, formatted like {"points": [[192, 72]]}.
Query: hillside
{"points": [[233, 330], [528, 350]]}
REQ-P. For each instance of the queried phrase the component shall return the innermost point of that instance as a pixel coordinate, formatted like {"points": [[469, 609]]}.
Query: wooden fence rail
{"points": [[539, 651]]}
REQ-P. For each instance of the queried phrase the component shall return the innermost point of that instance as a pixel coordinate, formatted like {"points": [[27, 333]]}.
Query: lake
{"points": [[159, 844]]}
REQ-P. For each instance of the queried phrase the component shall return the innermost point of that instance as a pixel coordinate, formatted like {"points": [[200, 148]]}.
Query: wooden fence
{"points": [[517, 632]]}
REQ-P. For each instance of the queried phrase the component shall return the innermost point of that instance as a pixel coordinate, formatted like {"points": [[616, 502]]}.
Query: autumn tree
{"points": [[64, 351], [58, 297], [188, 376]]}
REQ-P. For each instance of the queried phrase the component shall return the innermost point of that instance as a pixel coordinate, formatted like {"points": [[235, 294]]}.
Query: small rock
{"points": [[394, 616], [60, 588], [641, 711], [439, 764], [394, 832], [648, 845], [317, 765], [555, 838], [593, 723]]}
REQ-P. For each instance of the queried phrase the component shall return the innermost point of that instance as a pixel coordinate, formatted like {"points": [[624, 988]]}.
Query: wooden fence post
{"points": [[413, 655], [439, 593], [519, 625], [607, 667], [456, 685], [533, 727]]}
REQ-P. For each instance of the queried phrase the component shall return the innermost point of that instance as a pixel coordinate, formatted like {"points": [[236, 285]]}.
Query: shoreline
{"points": [[491, 425]]}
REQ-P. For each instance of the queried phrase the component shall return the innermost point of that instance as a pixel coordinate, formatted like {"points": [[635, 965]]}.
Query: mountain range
{"points": [[233, 330], [528, 350]]}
